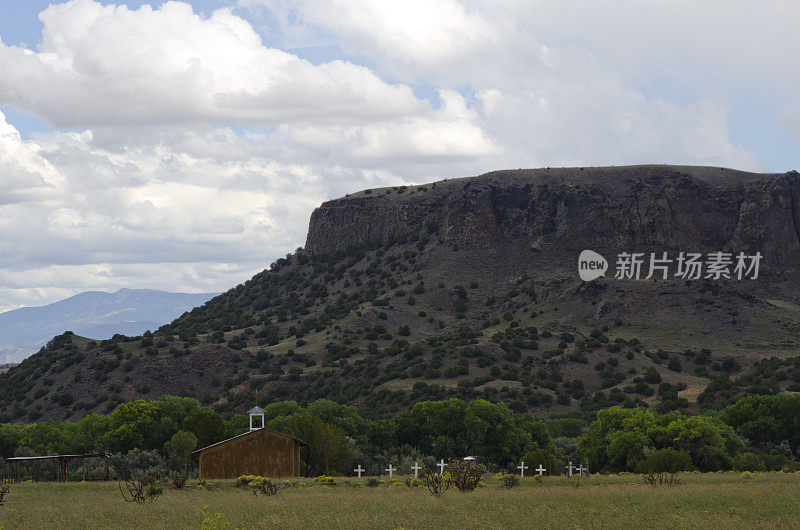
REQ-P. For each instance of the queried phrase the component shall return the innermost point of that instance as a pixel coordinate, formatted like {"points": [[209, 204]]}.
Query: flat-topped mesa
{"points": [[684, 208]]}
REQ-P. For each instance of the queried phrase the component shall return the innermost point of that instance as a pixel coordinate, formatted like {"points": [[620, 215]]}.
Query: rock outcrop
{"points": [[693, 209]]}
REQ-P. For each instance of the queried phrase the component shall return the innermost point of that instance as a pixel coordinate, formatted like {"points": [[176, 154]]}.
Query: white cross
{"points": [[416, 469], [522, 467], [581, 469], [441, 467], [541, 469], [390, 469], [359, 470], [570, 467]]}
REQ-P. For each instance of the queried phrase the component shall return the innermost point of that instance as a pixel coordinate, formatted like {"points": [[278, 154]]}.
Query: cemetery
{"points": [[262, 475], [716, 500]]}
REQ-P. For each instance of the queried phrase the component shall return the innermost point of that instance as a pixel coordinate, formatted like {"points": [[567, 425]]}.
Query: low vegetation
{"points": [[141, 488], [437, 483], [466, 474], [713, 500]]}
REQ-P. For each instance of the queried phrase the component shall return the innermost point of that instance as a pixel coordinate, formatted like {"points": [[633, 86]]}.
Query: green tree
{"points": [[479, 428], [51, 437], [539, 457], [617, 438], [206, 425], [10, 436], [328, 450], [710, 442], [180, 447], [620, 438], [92, 429], [766, 420], [147, 424]]}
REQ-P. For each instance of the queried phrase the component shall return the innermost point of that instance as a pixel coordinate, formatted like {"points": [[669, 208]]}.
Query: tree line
{"points": [[756, 433]]}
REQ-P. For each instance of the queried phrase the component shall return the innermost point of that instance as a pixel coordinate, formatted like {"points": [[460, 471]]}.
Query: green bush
{"points": [[665, 461], [436, 483], [213, 521], [652, 376], [466, 474], [263, 485], [509, 481], [539, 457], [748, 462], [325, 480]]}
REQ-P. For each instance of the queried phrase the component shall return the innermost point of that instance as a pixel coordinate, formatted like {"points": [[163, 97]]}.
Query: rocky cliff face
{"points": [[627, 208]]}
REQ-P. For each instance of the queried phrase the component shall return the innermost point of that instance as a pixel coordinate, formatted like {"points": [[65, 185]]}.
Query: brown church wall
{"points": [[263, 452]]}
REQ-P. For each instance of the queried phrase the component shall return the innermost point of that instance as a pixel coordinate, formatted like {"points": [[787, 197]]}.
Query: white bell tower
{"points": [[256, 412]]}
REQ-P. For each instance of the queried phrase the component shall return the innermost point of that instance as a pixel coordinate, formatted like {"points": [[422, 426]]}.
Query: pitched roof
{"points": [[53, 457], [256, 410], [245, 434]]}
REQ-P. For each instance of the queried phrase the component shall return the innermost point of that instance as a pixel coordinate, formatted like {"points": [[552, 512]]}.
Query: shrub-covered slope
{"points": [[469, 288]]}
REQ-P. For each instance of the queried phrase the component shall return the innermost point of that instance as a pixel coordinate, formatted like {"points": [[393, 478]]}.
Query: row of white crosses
{"points": [[580, 469], [522, 467], [441, 465], [416, 467]]}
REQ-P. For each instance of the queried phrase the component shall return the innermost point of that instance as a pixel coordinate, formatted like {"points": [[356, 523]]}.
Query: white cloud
{"points": [[101, 212], [560, 83], [25, 173], [116, 66], [415, 40], [450, 133], [198, 148]]}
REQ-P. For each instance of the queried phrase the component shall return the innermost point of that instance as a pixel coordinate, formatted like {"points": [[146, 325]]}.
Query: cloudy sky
{"points": [[182, 146]]}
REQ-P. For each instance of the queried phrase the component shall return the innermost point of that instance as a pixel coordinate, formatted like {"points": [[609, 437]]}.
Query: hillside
{"points": [[95, 314], [468, 288]]}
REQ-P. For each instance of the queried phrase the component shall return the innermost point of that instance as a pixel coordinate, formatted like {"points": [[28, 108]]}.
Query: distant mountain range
{"points": [[94, 314]]}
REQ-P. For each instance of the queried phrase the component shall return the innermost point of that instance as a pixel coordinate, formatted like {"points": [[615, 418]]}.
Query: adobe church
{"points": [[261, 451]]}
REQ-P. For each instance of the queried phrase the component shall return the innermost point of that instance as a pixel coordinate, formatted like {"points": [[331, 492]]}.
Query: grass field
{"points": [[717, 500]]}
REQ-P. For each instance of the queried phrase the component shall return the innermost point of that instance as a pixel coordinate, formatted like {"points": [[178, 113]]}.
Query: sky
{"points": [[183, 145]]}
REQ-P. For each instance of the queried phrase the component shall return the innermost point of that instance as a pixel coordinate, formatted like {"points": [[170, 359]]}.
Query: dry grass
{"points": [[721, 500]]}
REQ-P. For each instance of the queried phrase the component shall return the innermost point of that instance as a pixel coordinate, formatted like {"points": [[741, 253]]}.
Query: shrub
{"points": [[373, 482], [178, 479], [137, 461], [748, 462], [263, 485], [509, 481], [466, 474], [652, 376], [660, 467], [245, 480], [674, 364], [3, 492], [213, 521], [325, 480], [436, 483], [660, 479], [539, 457], [142, 487], [665, 461]]}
